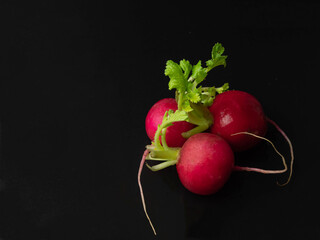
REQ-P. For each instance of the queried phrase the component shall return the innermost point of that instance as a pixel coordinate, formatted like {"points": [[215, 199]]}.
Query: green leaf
{"points": [[217, 57], [194, 96], [186, 78], [217, 51], [186, 106], [198, 73], [208, 96], [222, 89], [177, 79], [170, 117], [186, 67], [178, 116]]}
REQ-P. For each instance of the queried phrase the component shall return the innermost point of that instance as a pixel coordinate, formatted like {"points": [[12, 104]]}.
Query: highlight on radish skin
{"points": [[238, 111]]}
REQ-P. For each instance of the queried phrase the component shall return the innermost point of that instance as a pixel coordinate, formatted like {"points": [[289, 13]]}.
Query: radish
{"points": [[204, 161], [154, 119], [240, 120], [204, 164], [237, 111]]}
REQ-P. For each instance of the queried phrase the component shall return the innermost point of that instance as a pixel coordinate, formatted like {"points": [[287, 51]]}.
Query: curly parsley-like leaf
{"points": [[208, 94], [186, 67], [177, 78], [223, 88], [217, 57], [194, 96], [186, 106], [186, 78], [198, 73]]}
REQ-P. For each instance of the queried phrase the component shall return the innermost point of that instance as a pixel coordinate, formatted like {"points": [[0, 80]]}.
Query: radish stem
{"points": [[161, 166], [163, 139]]}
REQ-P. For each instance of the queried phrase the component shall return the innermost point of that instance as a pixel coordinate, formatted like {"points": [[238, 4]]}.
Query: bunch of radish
{"points": [[202, 128]]}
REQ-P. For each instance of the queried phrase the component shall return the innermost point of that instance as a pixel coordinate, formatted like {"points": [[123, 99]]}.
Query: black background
{"points": [[77, 80]]}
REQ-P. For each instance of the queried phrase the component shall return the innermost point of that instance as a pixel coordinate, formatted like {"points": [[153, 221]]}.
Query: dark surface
{"points": [[77, 82]]}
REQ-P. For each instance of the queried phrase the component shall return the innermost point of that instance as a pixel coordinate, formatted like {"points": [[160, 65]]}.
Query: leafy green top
{"points": [[193, 101], [185, 78]]}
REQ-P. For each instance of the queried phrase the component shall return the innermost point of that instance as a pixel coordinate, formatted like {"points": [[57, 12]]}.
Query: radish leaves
{"points": [[185, 78]]}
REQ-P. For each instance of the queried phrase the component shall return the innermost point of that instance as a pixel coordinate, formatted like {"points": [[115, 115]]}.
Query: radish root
{"points": [[145, 154], [290, 146], [250, 169]]}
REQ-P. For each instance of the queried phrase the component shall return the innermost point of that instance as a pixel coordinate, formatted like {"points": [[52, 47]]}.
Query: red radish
{"points": [[173, 133], [237, 111], [205, 163]]}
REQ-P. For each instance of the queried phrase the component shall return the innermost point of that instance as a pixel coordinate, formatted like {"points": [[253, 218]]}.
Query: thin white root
{"points": [[250, 169], [290, 146], [145, 154]]}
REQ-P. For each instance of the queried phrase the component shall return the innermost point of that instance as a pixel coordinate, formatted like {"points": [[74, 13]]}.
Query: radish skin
{"points": [[240, 120], [173, 133], [236, 111], [205, 163]]}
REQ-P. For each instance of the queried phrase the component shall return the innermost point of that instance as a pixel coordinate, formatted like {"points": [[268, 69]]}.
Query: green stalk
{"points": [[163, 139], [160, 151], [162, 165], [201, 117], [180, 99], [195, 130], [164, 155], [157, 137]]}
